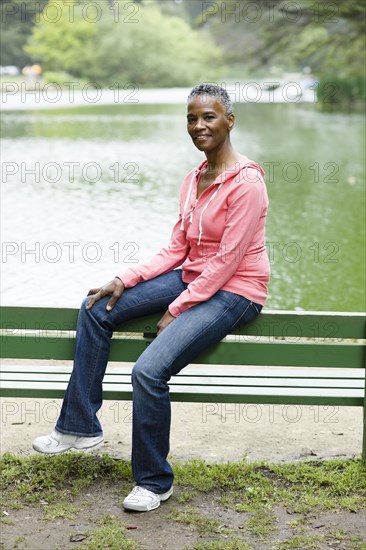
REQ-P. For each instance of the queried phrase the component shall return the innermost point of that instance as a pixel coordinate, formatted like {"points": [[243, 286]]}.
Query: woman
{"points": [[218, 244]]}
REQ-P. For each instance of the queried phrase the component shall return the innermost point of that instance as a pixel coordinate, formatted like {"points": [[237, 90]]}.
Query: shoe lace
{"points": [[139, 490]]}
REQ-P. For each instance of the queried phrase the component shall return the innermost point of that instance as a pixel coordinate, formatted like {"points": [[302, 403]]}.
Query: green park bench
{"points": [[283, 357]]}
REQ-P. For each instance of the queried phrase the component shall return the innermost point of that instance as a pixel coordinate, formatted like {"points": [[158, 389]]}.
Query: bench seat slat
{"points": [[200, 380], [217, 390], [203, 370]]}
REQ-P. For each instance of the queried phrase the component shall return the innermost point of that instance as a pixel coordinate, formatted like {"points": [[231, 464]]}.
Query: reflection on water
{"points": [[90, 191]]}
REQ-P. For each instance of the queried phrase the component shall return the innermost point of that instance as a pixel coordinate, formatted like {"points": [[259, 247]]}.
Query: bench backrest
{"points": [[275, 338]]}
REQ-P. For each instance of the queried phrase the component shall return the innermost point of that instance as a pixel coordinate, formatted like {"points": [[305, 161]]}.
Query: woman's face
{"points": [[207, 123]]}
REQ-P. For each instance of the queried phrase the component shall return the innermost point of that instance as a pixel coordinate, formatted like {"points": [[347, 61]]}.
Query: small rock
{"points": [[131, 527], [318, 525], [5, 513], [77, 538]]}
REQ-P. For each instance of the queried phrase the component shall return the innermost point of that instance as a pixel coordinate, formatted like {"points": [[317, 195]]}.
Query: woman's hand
{"points": [[114, 289], [166, 319]]}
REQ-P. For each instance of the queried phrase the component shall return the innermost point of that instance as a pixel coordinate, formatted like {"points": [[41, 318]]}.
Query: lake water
{"points": [[90, 191]]}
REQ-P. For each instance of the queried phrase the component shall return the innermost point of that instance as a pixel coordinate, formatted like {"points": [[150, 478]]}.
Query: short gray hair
{"points": [[213, 90]]}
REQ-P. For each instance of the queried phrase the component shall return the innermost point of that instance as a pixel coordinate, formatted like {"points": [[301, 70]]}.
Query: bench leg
{"points": [[364, 435]]}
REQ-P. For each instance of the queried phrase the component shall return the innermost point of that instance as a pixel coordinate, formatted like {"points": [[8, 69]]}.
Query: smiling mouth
{"points": [[201, 138]]}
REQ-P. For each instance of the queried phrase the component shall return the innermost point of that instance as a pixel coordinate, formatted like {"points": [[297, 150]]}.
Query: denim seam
{"points": [[244, 312], [91, 378], [218, 318]]}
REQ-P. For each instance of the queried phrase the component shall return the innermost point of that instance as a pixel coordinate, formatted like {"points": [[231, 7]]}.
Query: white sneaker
{"points": [[143, 500], [57, 442]]}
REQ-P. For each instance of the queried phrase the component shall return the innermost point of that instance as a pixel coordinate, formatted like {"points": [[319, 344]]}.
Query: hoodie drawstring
{"points": [[249, 164], [203, 210], [187, 199]]}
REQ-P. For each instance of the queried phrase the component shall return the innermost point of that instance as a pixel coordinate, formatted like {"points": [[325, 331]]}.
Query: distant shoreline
{"points": [[19, 97]]}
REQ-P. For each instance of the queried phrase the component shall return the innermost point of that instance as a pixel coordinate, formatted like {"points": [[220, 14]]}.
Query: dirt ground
{"points": [[155, 530], [214, 432]]}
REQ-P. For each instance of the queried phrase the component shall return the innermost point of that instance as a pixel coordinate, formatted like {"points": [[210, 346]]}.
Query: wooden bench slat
{"points": [[315, 324], [200, 381], [246, 371], [184, 397], [280, 353], [276, 353], [218, 390]]}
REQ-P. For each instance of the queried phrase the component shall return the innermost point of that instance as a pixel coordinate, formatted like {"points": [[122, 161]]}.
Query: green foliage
{"points": [[16, 22], [143, 47], [337, 93], [316, 32], [62, 43], [58, 77], [326, 36]]}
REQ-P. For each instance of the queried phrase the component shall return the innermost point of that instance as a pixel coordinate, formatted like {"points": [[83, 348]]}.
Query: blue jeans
{"points": [[179, 343]]}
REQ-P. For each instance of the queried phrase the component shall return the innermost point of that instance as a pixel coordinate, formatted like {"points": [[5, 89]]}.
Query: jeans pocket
{"points": [[251, 311], [257, 307]]}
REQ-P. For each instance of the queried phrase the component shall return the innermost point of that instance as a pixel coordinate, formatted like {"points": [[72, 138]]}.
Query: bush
{"points": [[341, 93]]}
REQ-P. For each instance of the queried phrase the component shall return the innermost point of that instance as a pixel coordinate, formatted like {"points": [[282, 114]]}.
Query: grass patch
{"points": [[301, 542], [236, 544], [60, 511], [204, 525], [187, 496], [110, 535], [55, 478], [18, 542], [353, 542], [257, 489], [261, 523], [331, 484], [302, 486], [357, 543]]}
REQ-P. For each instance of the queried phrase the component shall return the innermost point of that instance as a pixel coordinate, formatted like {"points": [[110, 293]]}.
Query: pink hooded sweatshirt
{"points": [[218, 240]]}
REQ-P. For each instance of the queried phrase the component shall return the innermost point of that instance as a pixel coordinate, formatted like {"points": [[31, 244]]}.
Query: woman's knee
{"points": [[97, 312], [147, 371], [139, 373]]}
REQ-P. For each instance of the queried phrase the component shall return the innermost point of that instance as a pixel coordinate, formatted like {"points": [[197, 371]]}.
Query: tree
{"points": [[62, 38], [139, 45], [16, 22], [328, 36]]}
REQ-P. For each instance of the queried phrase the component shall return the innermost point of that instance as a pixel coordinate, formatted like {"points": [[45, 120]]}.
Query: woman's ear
{"points": [[231, 120]]}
